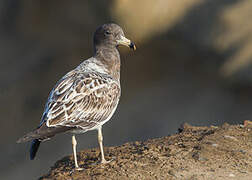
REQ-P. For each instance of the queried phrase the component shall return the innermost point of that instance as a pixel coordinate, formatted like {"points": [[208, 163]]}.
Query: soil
{"points": [[193, 153]]}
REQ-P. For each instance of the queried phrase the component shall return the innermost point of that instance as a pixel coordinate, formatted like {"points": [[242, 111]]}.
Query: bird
{"points": [[86, 97]]}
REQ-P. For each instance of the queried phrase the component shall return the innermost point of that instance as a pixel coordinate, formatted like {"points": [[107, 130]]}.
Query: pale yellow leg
{"points": [[100, 139], [74, 143]]}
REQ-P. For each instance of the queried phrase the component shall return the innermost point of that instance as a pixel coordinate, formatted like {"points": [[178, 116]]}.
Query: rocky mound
{"points": [[193, 153]]}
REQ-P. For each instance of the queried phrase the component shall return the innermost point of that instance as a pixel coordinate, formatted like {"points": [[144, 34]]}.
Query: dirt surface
{"points": [[223, 152]]}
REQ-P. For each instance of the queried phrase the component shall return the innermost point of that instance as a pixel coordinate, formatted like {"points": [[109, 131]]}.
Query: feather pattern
{"points": [[84, 98]]}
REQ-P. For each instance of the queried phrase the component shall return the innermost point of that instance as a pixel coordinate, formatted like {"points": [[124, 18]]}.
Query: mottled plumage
{"points": [[82, 99], [86, 97]]}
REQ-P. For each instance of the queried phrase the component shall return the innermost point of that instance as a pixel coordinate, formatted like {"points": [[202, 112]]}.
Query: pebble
{"points": [[172, 172], [230, 137], [231, 175], [243, 171]]}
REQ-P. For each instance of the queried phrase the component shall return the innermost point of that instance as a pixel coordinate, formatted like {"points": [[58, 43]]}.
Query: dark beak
{"points": [[132, 46]]}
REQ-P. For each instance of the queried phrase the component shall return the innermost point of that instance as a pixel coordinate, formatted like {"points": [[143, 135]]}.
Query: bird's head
{"points": [[111, 35]]}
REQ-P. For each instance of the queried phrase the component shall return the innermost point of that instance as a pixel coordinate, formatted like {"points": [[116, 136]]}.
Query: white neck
{"points": [[93, 64]]}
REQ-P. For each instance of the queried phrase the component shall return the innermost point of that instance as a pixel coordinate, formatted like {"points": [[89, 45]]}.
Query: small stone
{"points": [[137, 143], [230, 137], [247, 123], [242, 171], [213, 170], [215, 127], [231, 175], [172, 172], [243, 151], [202, 159]]}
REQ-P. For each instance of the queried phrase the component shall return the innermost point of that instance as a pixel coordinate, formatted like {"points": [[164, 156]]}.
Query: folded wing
{"points": [[82, 100]]}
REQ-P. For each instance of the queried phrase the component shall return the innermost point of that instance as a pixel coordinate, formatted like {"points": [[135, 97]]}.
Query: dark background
{"points": [[192, 64]]}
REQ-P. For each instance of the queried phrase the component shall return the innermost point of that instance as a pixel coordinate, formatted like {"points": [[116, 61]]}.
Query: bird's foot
{"points": [[104, 161], [78, 168]]}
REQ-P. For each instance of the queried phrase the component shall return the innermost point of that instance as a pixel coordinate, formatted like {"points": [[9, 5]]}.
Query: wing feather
{"points": [[83, 100]]}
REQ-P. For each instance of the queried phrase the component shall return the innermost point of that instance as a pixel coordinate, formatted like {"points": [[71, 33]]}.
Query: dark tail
{"points": [[34, 148], [43, 132], [40, 134], [30, 136]]}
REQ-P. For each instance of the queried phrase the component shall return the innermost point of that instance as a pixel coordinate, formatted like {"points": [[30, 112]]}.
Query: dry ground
{"points": [[223, 152]]}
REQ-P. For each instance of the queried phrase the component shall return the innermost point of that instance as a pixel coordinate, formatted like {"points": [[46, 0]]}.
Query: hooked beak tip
{"points": [[132, 46], [126, 42]]}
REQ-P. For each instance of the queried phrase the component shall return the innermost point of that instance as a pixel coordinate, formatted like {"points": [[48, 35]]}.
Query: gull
{"points": [[86, 97]]}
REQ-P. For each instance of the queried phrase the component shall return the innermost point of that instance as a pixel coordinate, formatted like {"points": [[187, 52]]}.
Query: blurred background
{"points": [[192, 64]]}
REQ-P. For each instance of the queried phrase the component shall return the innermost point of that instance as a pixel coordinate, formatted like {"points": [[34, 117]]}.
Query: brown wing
{"points": [[83, 100]]}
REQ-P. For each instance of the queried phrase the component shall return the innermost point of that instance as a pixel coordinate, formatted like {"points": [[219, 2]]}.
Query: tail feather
{"points": [[34, 148], [43, 132], [28, 137], [40, 134]]}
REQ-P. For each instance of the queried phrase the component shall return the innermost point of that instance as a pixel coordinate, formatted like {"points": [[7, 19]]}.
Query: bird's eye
{"points": [[107, 32]]}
